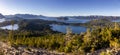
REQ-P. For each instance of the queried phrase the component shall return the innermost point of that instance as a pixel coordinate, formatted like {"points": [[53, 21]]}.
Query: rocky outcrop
{"points": [[9, 50], [6, 49], [107, 51]]}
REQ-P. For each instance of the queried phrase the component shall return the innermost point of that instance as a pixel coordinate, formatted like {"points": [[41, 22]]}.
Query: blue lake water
{"points": [[116, 20], [9, 27], [73, 20], [62, 28], [70, 20], [55, 27], [2, 20]]}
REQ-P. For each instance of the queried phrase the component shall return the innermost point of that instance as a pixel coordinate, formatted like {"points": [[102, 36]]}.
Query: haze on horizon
{"points": [[61, 7]]}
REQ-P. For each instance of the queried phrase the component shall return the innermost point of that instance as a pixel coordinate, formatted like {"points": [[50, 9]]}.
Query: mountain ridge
{"points": [[32, 16]]}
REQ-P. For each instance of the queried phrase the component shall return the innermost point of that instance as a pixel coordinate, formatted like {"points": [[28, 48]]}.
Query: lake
{"points": [[118, 20], [9, 27], [2, 20], [70, 20], [73, 20], [55, 27], [62, 28]]}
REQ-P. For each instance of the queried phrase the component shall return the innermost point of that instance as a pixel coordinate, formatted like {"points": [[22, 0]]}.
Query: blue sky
{"points": [[61, 7]]}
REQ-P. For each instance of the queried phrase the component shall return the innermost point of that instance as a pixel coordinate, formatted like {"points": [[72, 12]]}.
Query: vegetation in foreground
{"points": [[40, 35], [89, 41]]}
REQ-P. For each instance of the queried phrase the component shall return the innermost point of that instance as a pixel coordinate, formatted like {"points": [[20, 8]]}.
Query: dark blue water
{"points": [[70, 20], [62, 28], [73, 20]]}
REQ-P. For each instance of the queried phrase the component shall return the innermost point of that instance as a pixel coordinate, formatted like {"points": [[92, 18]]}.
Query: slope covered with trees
{"points": [[90, 41]]}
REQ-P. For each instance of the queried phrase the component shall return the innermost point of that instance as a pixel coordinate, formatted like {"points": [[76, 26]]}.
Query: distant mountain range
{"points": [[31, 16], [25, 16]]}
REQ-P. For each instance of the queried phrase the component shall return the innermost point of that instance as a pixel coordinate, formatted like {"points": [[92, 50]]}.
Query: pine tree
{"points": [[116, 27], [87, 37]]}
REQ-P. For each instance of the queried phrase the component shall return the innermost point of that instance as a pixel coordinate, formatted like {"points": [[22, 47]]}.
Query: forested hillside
{"points": [[88, 42]]}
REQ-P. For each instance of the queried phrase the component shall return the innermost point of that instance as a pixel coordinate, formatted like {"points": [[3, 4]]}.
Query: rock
{"points": [[11, 50], [24, 53]]}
